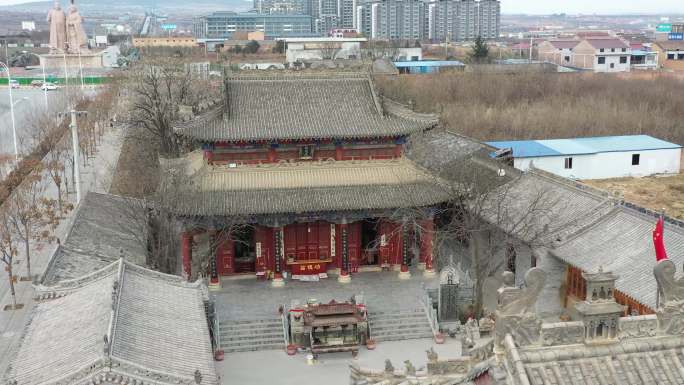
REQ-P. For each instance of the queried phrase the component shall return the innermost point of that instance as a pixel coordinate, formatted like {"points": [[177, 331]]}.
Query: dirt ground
{"points": [[655, 193]]}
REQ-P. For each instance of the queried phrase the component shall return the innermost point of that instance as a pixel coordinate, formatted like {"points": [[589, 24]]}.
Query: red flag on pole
{"points": [[658, 240]]}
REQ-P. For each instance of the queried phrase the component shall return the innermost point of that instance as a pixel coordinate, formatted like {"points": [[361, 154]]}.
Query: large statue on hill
{"points": [[76, 36], [57, 20]]}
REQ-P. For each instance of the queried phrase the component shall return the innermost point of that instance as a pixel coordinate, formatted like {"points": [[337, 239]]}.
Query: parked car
{"points": [[48, 87], [14, 83], [37, 83]]}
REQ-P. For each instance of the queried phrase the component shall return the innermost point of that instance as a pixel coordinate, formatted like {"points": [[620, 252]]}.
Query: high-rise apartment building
{"points": [[224, 24], [393, 19], [462, 20]]}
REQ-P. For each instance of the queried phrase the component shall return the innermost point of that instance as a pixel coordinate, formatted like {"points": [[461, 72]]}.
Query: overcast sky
{"points": [[567, 6]]}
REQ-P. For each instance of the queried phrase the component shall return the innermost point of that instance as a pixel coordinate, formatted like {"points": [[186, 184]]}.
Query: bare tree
{"points": [[159, 89], [488, 208], [8, 251], [329, 50]]}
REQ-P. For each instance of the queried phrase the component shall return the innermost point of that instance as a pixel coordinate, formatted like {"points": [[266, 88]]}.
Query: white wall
{"points": [[612, 59], [608, 164], [298, 51]]}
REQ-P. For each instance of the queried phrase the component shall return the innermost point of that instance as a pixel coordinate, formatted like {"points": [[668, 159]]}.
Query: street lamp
{"points": [[42, 65], [14, 128]]}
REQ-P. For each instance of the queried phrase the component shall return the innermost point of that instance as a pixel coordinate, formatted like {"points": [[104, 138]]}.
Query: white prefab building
{"points": [[595, 158]]}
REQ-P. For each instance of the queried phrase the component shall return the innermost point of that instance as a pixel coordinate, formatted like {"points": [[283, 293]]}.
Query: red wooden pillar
{"points": [[397, 150], [426, 251], [272, 155], [339, 152], [186, 249], [278, 248], [344, 235], [404, 272]]}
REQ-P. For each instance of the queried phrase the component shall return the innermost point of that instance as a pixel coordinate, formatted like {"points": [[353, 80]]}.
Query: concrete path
{"points": [[249, 298], [276, 367]]}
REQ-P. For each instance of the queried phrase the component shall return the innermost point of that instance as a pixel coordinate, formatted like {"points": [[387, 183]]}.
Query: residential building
{"points": [[670, 54], [322, 48], [643, 57], [557, 51], [461, 20], [393, 19], [224, 24], [280, 6], [602, 55], [596, 157], [427, 66], [171, 41]]}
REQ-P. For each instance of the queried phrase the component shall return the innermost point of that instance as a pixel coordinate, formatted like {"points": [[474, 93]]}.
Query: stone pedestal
{"points": [[429, 273], [404, 274], [421, 266], [55, 62], [344, 278], [278, 282]]}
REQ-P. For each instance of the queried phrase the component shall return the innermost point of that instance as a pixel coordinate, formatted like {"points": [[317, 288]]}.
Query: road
{"points": [[29, 103]]}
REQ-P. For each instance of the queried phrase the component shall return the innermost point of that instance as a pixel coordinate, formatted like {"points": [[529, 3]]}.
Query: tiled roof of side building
{"points": [[564, 44], [289, 107], [634, 361], [297, 188], [155, 327], [622, 242], [671, 45], [106, 227], [599, 43]]}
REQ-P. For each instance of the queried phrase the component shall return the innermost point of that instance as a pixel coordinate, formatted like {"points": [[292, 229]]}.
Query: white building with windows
{"points": [[596, 157]]}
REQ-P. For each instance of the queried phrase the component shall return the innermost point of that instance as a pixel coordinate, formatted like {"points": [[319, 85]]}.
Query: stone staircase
{"points": [[251, 335], [399, 325]]}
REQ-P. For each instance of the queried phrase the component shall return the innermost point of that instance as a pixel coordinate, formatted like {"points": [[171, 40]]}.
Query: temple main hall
{"points": [[302, 175]]}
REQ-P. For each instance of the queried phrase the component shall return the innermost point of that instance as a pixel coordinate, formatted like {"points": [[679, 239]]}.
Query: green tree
{"points": [[252, 46], [480, 51], [279, 47]]}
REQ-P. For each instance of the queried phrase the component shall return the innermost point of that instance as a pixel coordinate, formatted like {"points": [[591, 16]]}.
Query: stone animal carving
{"points": [[515, 314], [527, 299], [389, 368], [671, 312], [410, 369], [432, 355]]}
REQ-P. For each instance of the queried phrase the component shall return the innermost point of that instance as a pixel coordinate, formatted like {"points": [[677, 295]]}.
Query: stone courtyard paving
{"points": [[276, 367], [248, 298]]}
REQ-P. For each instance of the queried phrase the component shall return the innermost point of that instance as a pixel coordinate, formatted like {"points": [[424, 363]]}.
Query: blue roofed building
{"points": [[594, 157], [427, 66]]}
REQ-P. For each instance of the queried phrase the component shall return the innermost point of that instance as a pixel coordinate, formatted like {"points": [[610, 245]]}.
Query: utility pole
{"points": [[76, 149]]}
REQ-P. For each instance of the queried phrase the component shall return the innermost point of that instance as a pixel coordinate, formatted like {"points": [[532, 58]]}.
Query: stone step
{"points": [[236, 344], [253, 348], [250, 322], [250, 330], [251, 337], [398, 311], [402, 329], [401, 337], [399, 319], [374, 316]]}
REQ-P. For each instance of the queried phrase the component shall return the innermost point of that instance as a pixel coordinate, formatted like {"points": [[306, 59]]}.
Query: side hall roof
{"points": [[122, 321], [308, 107]]}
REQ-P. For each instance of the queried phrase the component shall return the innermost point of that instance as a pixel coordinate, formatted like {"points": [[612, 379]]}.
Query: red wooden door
{"points": [[225, 257]]}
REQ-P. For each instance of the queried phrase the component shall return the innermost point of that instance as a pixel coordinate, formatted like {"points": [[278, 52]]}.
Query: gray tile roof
{"points": [[561, 208], [298, 188], [303, 107], [155, 323], [106, 227], [622, 242], [655, 360]]}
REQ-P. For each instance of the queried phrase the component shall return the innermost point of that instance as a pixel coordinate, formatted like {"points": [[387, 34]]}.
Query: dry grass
{"points": [[655, 193], [541, 106]]}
